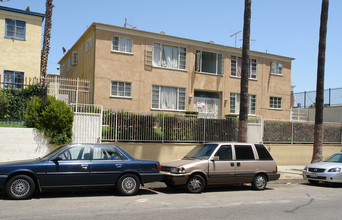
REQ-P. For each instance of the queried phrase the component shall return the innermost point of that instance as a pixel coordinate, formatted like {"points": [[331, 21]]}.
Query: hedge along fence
{"points": [[127, 126], [299, 132]]}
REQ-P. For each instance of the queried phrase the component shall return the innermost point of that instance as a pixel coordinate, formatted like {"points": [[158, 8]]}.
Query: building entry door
{"points": [[207, 104]]}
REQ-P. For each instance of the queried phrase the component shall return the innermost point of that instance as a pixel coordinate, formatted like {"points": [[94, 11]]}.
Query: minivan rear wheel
{"points": [[259, 182], [195, 184]]}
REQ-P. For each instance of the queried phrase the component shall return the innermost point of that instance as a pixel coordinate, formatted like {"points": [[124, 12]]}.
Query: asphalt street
{"points": [[278, 201]]}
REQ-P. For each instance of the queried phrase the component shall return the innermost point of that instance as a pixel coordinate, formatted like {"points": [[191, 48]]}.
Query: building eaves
{"points": [[187, 41], [170, 38], [22, 12]]}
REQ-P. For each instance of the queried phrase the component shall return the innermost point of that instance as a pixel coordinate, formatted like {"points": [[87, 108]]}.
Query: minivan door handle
{"points": [[238, 164]]}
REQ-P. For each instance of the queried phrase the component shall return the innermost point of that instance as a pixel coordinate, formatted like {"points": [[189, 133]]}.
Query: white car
{"points": [[329, 170]]}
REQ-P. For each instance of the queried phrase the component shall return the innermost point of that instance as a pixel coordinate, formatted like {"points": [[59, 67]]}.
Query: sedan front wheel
{"points": [[20, 187]]}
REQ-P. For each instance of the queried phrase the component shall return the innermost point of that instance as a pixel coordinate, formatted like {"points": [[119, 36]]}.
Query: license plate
{"points": [[313, 175]]}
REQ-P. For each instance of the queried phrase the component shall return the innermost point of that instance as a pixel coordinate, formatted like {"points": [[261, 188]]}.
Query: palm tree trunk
{"points": [[47, 36], [318, 132], [243, 115]]}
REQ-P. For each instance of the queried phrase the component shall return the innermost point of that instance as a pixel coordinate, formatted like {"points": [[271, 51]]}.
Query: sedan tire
{"points": [[195, 184], [313, 182], [20, 187], [259, 182], [128, 185]]}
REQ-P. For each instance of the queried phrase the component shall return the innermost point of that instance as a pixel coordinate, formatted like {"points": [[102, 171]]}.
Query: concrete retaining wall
{"points": [[284, 154], [22, 143], [26, 143]]}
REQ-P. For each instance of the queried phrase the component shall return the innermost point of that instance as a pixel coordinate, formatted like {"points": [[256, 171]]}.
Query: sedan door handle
{"points": [[232, 164], [84, 166], [238, 164], [118, 165]]}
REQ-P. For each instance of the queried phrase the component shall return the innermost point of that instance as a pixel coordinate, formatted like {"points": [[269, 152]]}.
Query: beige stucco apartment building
{"points": [[134, 70], [20, 43]]}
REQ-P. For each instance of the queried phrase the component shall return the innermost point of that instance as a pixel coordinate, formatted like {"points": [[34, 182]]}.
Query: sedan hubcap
{"points": [[129, 184], [20, 187]]}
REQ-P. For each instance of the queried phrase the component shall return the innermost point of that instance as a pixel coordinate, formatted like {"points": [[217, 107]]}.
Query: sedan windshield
{"points": [[201, 152], [337, 158], [53, 152]]}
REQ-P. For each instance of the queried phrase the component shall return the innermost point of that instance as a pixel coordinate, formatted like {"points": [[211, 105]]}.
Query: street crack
{"points": [[301, 206]]}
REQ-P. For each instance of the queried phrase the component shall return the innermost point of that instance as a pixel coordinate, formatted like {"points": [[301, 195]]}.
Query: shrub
{"points": [[33, 112], [56, 121]]}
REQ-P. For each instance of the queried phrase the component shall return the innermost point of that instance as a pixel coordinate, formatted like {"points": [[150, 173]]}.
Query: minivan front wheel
{"points": [[195, 184], [259, 182]]}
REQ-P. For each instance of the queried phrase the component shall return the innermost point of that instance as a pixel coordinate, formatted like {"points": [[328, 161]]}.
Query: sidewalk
{"points": [[290, 174]]}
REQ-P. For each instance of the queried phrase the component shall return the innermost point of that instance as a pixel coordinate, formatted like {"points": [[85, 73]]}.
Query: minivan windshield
{"points": [[202, 152], [337, 158]]}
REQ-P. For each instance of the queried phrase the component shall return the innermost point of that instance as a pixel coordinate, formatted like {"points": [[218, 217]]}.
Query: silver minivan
{"points": [[220, 164]]}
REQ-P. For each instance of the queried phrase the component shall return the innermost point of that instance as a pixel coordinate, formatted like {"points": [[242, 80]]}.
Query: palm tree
{"points": [[318, 132], [243, 115], [47, 36]]}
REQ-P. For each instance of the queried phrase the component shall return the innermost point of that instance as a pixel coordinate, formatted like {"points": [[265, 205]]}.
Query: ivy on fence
{"points": [[299, 132]]}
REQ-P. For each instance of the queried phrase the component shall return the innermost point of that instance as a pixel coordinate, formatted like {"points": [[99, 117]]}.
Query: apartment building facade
{"points": [[134, 70], [21, 44]]}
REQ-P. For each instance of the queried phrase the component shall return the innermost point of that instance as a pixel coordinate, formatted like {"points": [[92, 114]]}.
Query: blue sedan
{"points": [[78, 165]]}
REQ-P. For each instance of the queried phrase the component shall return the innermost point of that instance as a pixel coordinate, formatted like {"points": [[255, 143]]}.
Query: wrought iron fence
{"points": [[288, 132], [332, 97], [15, 94], [77, 91], [128, 126]]}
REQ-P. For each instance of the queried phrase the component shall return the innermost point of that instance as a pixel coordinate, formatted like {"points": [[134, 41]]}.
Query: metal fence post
{"points": [[163, 129], [292, 133], [204, 130], [116, 126]]}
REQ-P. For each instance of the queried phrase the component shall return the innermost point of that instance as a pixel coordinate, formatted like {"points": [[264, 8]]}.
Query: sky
{"points": [[287, 28]]}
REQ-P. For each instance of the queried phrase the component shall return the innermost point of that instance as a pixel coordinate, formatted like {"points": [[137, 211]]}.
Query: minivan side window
{"points": [[225, 152], [263, 152], [244, 152]]}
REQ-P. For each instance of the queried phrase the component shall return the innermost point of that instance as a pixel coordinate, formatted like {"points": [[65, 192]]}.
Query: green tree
{"points": [[318, 131], [243, 115]]}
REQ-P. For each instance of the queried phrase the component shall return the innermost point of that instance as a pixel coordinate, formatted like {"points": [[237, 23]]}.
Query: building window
{"points": [[168, 98], [235, 104], [122, 44], [275, 102], [169, 56], [74, 60], [121, 89], [207, 62], [276, 68], [235, 67], [13, 79], [15, 29]]}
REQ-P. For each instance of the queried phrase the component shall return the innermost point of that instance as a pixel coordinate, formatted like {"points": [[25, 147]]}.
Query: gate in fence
{"points": [[87, 125]]}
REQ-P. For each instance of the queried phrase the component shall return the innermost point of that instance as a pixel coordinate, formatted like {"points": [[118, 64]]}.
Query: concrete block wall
{"points": [[22, 143]]}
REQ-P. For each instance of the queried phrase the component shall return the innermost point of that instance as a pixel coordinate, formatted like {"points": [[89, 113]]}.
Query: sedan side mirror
{"points": [[215, 158], [56, 159]]}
